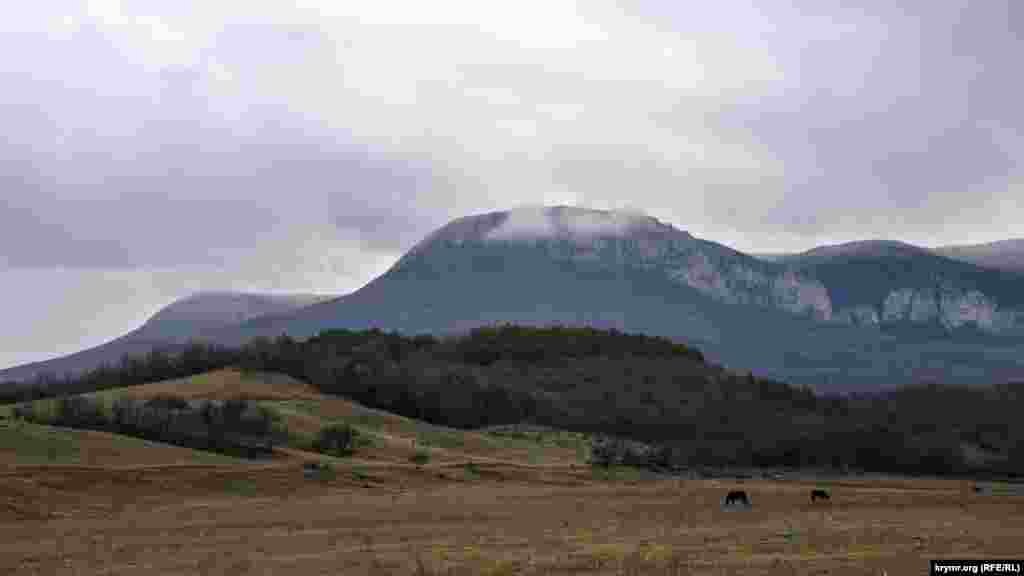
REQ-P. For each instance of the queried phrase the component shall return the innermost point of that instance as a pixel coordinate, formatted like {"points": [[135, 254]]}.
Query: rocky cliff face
{"points": [[740, 283], [614, 240], [951, 308], [876, 282], [858, 315]]}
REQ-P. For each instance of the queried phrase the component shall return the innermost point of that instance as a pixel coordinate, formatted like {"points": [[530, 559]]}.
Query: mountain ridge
{"points": [[1002, 254], [168, 328], [836, 315]]}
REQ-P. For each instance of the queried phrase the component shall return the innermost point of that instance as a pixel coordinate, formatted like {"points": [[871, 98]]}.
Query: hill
{"points": [[427, 498], [589, 381], [168, 329], [302, 411], [28, 444]]}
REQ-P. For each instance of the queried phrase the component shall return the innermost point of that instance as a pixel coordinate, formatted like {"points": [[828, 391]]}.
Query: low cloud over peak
{"points": [[541, 221]]}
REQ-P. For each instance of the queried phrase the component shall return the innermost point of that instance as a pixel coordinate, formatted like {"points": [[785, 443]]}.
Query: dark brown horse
{"points": [[737, 497]]}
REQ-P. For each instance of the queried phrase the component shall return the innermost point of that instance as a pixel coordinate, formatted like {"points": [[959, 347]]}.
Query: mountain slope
{"points": [[888, 282], [574, 266], [206, 310], [862, 314], [168, 328], [1003, 255]]}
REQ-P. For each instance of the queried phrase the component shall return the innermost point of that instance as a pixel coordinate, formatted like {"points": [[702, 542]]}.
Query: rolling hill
{"points": [[168, 329], [303, 411]]}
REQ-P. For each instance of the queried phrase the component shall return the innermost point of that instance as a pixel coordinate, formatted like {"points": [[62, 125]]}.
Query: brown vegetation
{"points": [[401, 520], [482, 504]]}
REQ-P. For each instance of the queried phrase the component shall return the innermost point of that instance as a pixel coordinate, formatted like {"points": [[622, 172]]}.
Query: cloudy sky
{"points": [[152, 149]]}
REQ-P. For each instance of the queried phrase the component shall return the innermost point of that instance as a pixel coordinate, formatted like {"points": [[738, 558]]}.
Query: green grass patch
{"points": [[241, 487], [1006, 489], [323, 470], [360, 473], [583, 451], [375, 423], [420, 457], [39, 444], [471, 470], [534, 454], [440, 437], [622, 474], [537, 441], [35, 444]]}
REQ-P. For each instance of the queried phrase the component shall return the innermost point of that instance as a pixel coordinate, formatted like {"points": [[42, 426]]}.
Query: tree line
{"points": [[159, 364], [235, 427], [650, 390]]}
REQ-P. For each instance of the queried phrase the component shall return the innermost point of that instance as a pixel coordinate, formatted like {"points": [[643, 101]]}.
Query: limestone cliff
{"points": [[618, 240]]}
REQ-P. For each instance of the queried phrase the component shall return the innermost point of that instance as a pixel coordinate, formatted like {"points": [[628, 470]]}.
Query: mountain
{"points": [[1003, 255], [207, 310], [858, 249], [795, 320], [547, 266], [169, 327], [892, 283], [867, 314]]}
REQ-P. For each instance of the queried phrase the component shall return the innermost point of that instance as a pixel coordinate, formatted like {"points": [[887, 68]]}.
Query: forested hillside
{"points": [[648, 389]]}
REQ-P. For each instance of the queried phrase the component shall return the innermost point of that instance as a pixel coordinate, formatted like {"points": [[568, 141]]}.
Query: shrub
{"points": [[168, 402], [605, 452], [318, 470], [23, 412], [80, 412], [472, 470], [336, 439], [420, 457]]}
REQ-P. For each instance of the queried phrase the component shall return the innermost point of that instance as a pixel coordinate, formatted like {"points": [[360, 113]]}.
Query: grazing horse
{"points": [[737, 497], [819, 495], [313, 469]]}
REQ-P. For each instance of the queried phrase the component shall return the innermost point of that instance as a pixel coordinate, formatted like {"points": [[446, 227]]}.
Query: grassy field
{"points": [[438, 520], [23, 443], [304, 412], [510, 500]]}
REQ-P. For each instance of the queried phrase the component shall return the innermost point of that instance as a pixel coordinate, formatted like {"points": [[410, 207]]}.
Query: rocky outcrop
{"points": [[951, 308], [614, 240], [858, 315], [645, 243], [739, 284], [799, 295]]}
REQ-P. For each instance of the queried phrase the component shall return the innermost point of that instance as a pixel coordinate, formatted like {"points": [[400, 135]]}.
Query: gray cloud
{"points": [[895, 120], [129, 166], [264, 146]]}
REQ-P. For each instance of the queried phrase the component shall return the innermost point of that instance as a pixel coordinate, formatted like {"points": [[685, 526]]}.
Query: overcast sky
{"points": [[152, 149]]}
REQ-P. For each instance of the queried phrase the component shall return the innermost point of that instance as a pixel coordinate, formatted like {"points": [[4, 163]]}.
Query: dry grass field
{"points": [[482, 504]]}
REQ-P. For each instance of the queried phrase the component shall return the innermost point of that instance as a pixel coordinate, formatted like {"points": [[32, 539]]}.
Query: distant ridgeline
{"points": [[606, 382]]}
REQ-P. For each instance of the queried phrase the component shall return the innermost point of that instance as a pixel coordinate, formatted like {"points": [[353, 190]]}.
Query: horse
{"points": [[737, 497], [819, 495]]}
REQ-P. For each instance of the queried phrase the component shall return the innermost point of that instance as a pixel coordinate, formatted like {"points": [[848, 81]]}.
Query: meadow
{"points": [[511, 500]]}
